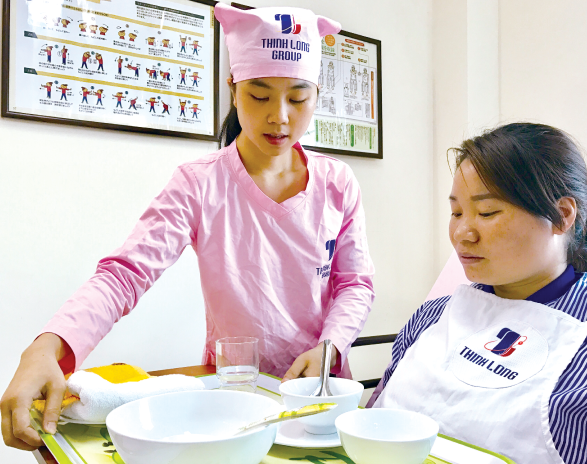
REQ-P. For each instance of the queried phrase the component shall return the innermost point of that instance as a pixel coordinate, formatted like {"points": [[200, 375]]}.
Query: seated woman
{"points": [[502, 364]]}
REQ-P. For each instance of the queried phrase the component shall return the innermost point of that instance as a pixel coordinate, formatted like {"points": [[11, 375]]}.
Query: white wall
{"points": [[542, 60], [70, 195], [466, 93]]}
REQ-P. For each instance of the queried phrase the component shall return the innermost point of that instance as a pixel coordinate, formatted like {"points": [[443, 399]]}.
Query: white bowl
{"points": [[347, 394], [188, 427], [373, 436]]}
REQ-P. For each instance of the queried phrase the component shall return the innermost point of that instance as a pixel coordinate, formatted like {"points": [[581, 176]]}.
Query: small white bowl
{"points": [[392, 436], [347, 394], [188, 427]]}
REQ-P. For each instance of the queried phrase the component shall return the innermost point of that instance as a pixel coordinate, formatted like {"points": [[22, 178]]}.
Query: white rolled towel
{"points": [[98, 397]]}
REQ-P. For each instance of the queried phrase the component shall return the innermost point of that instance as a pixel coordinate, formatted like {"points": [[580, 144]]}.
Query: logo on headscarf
{"points": [[508, 340], [288, 24]]}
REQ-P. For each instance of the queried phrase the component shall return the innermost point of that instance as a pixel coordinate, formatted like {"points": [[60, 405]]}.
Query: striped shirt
{"points": [[568, 402]]}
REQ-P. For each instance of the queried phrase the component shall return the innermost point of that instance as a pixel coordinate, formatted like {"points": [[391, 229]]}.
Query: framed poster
{"points": [[347, 119], [147, 66]]}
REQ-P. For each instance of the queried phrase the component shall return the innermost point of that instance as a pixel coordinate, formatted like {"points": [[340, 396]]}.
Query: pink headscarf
{"points": [[274, 42]]}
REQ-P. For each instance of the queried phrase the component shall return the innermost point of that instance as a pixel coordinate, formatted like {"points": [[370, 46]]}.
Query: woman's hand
{"points": [[308, 364], [38, 376]]}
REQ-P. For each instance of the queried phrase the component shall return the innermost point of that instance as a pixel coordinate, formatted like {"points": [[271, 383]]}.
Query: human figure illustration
{"points": [[153, 101], [165, 43], [100, 61], [151, 41], [48, 51], [121, 34], [133, 68], [365, 83], [182, 106], [195, 79], [119, 97], [93, 28], [349, 107], [103, 30], [182, 41], [119, 61], [182, 75], [85, 57], [330, 76], [195, 111], [83, 27], [165, 107], [331, 106], [195, 46], [133, 102], [65, 22], [64, 89], [165, 75], [152, 73], [64, 56], [99, 94], [346, 89], [85, 93], [321, 75], [353, 80], [132, 37], [48, 87], [56, 21]]}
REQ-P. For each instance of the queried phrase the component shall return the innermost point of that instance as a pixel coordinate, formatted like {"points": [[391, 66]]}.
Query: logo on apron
{"points": [[500, 356], [509, 339]]}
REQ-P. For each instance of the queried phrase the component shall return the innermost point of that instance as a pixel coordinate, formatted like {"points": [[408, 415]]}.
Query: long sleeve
{"points": [[157, 241], [351, 277]]}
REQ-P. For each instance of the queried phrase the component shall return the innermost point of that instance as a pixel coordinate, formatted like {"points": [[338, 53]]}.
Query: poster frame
{"points": [[338, 151], [362, 154], [6, 83]]}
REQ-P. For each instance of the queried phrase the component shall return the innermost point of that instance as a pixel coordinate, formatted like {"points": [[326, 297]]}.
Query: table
{"points": [[44, 456]]}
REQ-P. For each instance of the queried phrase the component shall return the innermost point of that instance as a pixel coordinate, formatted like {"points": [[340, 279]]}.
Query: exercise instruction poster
{"points": [[346, 115], [145, 63]]}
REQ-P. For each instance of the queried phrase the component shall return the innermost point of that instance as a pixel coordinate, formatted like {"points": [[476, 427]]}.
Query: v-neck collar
{"points": [[277, 210]]}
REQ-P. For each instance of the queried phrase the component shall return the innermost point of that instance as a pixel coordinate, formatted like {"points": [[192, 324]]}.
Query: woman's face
{"points": [[274, 112], [498, 243]]}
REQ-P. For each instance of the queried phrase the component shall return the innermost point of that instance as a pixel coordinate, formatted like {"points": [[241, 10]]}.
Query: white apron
{"points": [[486, 370]]}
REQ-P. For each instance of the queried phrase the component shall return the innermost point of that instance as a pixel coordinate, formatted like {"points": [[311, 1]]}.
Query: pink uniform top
{"points": [[291, 274]]}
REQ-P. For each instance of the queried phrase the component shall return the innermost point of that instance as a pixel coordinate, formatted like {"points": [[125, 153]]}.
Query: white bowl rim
{"points": [[322, 397], [188, 442], [339, 419]]}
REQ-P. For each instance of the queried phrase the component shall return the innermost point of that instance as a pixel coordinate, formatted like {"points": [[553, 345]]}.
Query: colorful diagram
{"points": [[128, 51]]}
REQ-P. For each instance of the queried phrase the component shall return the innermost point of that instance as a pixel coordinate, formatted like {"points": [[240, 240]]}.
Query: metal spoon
{"points": [[323, 388], [287, 415]]}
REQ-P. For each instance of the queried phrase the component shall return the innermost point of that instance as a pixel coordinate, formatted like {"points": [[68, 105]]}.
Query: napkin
{"points": [[91, 394], [98, 397]]}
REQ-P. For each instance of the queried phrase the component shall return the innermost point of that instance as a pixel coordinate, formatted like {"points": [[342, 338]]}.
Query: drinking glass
{"points": [[237, 363]]}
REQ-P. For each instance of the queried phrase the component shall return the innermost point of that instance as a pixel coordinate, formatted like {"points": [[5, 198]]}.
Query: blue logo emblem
{"points": [[330, 245], [288, 24], [508, 339]]}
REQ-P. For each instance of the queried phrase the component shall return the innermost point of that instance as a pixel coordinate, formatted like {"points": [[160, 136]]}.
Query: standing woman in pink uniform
{"points": [[279, 231]]}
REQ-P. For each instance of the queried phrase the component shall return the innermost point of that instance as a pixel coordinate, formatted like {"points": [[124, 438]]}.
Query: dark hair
{"points": [[532, 166], [231, 127]]}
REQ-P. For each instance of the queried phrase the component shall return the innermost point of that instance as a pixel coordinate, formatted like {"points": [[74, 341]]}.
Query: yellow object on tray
{"points": [[114, 373], [120, 373]]}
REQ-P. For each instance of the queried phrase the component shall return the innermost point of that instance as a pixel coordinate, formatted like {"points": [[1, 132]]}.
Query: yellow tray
{"points": [[91, 444]]}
